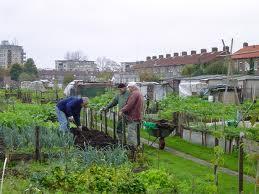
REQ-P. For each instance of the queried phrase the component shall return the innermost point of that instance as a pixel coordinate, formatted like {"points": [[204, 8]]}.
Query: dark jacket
{"points": [[71, 107]]}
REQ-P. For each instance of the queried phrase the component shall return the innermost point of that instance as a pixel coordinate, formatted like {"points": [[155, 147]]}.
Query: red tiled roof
{"points": [[181, 60], [247, 52]]}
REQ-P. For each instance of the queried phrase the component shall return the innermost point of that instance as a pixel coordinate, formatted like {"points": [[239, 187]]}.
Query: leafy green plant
{"points": [[158, 180], [111, 156], [98, 102], [196, 107], [94, 179]]}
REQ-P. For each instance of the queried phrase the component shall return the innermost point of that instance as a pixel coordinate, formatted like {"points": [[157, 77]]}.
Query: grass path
{"points": [[188, 170], [198, 161]]}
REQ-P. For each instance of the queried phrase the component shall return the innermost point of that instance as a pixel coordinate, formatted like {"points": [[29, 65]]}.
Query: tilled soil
{"points": [[93, 138]]}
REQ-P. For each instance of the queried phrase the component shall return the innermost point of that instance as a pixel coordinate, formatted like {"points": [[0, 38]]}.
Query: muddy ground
{"points": [[92, 137]]}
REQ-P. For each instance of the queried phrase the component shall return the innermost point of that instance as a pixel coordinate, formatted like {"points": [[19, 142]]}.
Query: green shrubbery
{"points": [[108, 179]]}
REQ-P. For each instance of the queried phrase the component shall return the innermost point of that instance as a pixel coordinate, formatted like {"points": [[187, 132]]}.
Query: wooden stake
{"points": [[96, 120], [257, 176], [91, 119], [138, 134], [37, 143], [114, 125], [240, 166], [105, 122], [86, 117], [124, 130], [101, 119]]}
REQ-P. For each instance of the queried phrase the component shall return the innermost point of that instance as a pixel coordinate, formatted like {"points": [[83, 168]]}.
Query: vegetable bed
{"points": [[93, 138]]}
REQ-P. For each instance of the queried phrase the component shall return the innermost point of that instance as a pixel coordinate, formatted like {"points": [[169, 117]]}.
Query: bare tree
{"points": [[106, 64], [75, 55]]}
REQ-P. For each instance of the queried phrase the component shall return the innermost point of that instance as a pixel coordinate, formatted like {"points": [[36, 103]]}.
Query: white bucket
{"points": [[210, 98]]}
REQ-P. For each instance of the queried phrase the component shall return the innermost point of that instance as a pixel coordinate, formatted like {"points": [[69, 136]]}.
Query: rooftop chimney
{"points": [[167, 56], [5, 42], [245, 44], [176, 54], [203, 51], [226, 48], [154, 57], [184, 53], [214, 49], [148, 58], [193, 52], [141, 62], [161, 56]]}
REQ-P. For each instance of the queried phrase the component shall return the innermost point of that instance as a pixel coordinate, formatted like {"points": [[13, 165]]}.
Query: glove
{"points": [[71, 119], [80, 128], [103, 109]]}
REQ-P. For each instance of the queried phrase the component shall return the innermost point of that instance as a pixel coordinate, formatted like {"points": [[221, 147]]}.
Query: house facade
{"points": [[125, 77], [51, 75], [76, 65], [246, 59], [172, 65]]}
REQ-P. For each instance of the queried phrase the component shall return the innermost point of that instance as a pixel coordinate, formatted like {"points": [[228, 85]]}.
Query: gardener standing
{"points": [[132, 111], [69, 110], [119, 100]]}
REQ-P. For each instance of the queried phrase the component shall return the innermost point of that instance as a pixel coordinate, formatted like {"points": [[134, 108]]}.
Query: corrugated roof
{"points": [[247, 52]]}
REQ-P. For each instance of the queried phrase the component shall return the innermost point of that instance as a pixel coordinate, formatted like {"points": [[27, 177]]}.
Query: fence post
{"points": [[124, 131], [57, 98], [216, 166], [240, 164], [86, 117], [37, 143], [138, 134], [96, 120], [91, 119], [257, 175], [101, 119], [105, 122], [114, 125]]}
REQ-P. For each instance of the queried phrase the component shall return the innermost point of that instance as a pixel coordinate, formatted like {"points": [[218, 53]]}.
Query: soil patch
{"points": [[94, 138]]}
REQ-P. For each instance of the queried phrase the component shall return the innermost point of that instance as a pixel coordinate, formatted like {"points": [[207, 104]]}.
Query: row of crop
{"points": [[195, 113], [29, 96], [22, 115], [18, 124], [103, 179], [109, 171], [197, 107]]}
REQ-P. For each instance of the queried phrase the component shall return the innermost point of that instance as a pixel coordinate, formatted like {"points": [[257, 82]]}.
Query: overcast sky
{"points": [[125, 30]]}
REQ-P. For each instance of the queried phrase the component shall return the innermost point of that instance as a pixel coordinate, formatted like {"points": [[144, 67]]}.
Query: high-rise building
{"points": [[10, 54]]}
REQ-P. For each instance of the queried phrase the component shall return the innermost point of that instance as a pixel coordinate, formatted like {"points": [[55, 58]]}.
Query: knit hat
{"points": [[121, 85], [130, 84]]}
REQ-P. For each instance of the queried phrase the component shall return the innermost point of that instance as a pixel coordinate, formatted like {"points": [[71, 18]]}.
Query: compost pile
{"points": [[93, 138]]}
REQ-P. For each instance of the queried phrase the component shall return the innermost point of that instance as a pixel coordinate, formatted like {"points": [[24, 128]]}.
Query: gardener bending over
{"points": [[69, 110], [119, 100]]}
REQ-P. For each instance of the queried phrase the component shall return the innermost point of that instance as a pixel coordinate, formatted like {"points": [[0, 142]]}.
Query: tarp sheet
{"points": [[187, 88]]}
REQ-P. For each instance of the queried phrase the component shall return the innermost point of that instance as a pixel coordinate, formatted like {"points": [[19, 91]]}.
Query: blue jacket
{"points": [[71, 107]]}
